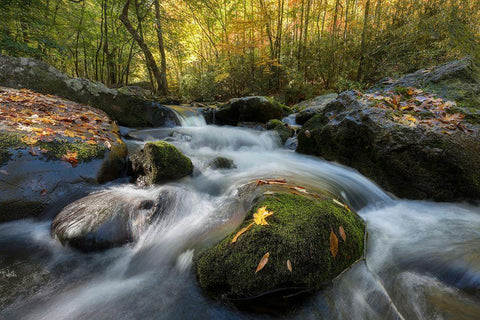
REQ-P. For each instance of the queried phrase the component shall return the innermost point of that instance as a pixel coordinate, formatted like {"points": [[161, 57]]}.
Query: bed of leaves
{"points": [[44, 118], [417, 108]]}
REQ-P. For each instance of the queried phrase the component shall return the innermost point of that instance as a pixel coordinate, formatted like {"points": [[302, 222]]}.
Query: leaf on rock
{"points": [[342, 233], [71, 157], [333, 244], [260, 216], [289, 266], [263, 262], [242, 231]]}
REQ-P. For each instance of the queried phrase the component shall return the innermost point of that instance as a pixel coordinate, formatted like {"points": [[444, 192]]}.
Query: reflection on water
{"points": [[423, 259]]}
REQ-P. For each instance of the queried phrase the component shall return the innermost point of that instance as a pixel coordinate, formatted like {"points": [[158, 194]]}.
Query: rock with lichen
{"points": [[308, 239], [159, 162]]}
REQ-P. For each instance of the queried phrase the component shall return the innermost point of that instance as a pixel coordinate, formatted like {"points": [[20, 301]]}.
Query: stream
{"points": [[423, 258]]}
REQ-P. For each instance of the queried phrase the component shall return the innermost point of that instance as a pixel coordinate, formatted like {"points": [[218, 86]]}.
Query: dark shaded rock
{"points": [[299, 230], [249, 109], [221, 163], [127, 108], [410, 161], [309, 108], [160, 161], [104, 220], [283, 129], [36, 172]]}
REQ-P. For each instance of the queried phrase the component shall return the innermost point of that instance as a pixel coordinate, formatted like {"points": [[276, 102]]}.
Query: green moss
{"points": [[299, 231], [281, 128], [54, 150], [8, 140], [160, 161]]}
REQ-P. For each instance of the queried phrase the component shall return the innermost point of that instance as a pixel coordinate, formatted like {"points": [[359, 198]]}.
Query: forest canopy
{"points": [[216, 49]]}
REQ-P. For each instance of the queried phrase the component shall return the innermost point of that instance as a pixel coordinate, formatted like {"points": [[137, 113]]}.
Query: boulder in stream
{"points": [[221, 163], [310, 108], [291, 240], [282, 129], [250, 109], [50, 148], [158, 162], [415, 145], [105, 219]]}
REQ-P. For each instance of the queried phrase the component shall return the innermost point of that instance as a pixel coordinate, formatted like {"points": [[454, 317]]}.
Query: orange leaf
{"points": [[263, 262], [333, 244], [242, 231], [342, 233]]}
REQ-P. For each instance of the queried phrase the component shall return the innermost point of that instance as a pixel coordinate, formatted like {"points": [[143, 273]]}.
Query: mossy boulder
{"points": [[158, 162], [221, 163], [50, 153], [299, 235], [249, 109], [128, 107], [282, 129], [405, 154], [104, 220]]}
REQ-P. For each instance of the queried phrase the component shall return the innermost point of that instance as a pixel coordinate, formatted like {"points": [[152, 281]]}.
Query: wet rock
{"points": [[284, 131], [310, 108], [124, 106], [160, 161], [104, 220], [310, 239], [249, 109], [409, 159], [39, 170], [221, 163]]}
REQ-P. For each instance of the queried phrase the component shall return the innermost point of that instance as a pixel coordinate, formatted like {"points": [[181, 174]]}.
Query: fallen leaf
{"points": [[342, 233], [260, 216], [289, 266], [333, 244], [263, 262], [242, 231], [44, 192]]}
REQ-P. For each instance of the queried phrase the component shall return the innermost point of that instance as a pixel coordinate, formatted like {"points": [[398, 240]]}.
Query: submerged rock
{"points": [[160, 161], [125, 105], [104, 220], [415, 150], [310, 108], [284, 131], [307, 241], [221, 163], [51, 147], [250, 109]]}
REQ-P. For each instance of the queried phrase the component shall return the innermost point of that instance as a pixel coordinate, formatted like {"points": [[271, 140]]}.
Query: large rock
{"points": [[310, 239], [410, 145], [250, 109], [122, 105], [50, 147], [311, 107], [160, 161], [105, 219], [457, 80]]}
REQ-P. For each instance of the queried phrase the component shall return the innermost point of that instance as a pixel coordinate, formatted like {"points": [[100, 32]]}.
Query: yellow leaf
{"points": [[242, 231], [260, 216], [333, 244], [29, 140], [263, 262], [342, 233], [289, 266]]}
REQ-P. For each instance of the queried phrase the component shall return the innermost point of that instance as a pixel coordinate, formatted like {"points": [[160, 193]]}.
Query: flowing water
{"points": [[423, 258]]}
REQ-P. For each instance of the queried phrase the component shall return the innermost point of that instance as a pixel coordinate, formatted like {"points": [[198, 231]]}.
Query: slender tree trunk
{"points": [[363, 43], [161, 48]]}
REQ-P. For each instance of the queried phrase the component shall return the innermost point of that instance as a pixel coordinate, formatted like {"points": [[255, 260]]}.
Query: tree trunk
{"points": [[161, 48]]}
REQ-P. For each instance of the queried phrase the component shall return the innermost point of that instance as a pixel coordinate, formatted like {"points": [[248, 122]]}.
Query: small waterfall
{"points": [[188, 116]]}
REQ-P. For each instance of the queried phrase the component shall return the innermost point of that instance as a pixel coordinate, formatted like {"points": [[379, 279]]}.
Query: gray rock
{"points": [[311, 107], [104, 220], [128, 109], [221, 163], [249, 109]]}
